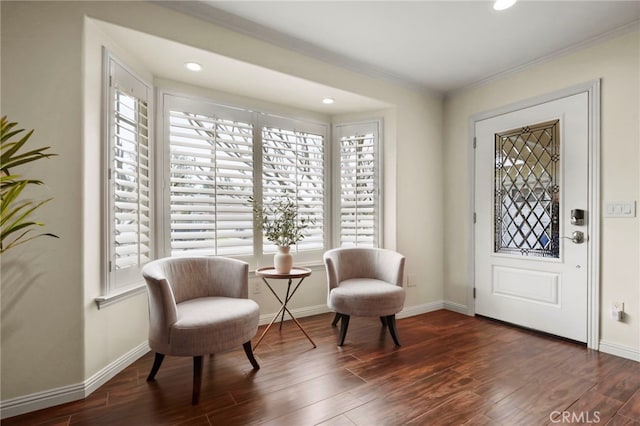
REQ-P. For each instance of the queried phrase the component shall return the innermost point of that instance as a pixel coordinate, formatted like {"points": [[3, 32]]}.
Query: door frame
{"points": [[592, 88]]}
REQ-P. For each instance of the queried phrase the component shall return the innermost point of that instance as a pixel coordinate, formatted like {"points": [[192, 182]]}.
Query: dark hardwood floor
{"points": [[452, 369]]}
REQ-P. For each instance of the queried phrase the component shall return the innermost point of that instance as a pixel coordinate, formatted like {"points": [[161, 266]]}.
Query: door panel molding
{"points": [[548, 285], [592, 88]]}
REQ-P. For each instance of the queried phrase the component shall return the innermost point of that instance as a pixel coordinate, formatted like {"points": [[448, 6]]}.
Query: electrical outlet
{"points": [[617, 311], [411, 280], [256, 288]]}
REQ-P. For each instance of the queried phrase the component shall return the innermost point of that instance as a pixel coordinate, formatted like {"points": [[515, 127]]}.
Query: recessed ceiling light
{"points": [[328, 101], [503, 4], [193, 66]]}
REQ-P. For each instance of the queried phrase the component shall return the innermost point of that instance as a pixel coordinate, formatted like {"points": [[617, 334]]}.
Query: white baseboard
{"points": [[38, 401], [62, 395], [410, 311], [111, 370], [620, 350], [457, 307], [307, 311], [433, 306]]}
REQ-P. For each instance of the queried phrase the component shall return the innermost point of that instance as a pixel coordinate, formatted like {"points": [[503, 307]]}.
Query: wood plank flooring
{"points": [[451, 370]]}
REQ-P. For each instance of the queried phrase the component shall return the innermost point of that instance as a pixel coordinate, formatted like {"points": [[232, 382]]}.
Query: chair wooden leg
{"points": [[336, 319], [157, 362], [249, 352], [391, 321], [197, 379], [383, 320], [343, 328]]}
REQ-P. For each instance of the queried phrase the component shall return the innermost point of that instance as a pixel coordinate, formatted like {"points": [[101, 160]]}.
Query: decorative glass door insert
{"points": [[526, 200]]}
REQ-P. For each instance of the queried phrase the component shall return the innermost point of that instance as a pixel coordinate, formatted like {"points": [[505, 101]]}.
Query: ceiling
{"points": [[438, 45], [434, 46], [232, 77]]}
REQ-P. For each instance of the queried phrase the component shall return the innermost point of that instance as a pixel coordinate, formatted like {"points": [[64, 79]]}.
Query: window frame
{"points": [[168, 99], [116, 73], [163, 171], [338, 130], [302, 257]]}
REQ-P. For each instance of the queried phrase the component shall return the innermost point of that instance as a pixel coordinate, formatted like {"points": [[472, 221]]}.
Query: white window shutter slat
{"points": [[211, 180], [359, 204], [293, 166], [130, 231]]}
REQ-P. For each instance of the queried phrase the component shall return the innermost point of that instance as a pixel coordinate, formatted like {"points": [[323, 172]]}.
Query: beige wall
{"points": [[52, 333], [42, 282], [616, 62], [104, 340]]}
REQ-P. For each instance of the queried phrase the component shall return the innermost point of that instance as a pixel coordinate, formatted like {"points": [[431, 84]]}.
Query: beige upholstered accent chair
{"points": [[199, 306], [365, 282]]}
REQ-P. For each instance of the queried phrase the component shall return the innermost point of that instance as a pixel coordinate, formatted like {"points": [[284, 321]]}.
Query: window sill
{"points": [[104, 301]]}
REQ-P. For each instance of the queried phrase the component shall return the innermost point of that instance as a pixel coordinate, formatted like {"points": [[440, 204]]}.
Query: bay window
{"points": [[189, 191]]}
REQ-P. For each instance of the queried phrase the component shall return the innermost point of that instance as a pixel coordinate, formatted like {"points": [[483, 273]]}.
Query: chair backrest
{"points": [[358, 262], [200, 276], [174, 280]]}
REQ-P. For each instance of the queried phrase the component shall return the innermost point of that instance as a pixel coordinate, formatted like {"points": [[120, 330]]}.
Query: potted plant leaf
{"points": [[16, 226]]}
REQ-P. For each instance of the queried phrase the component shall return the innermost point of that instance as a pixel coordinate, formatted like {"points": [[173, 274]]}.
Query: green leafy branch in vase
{"points": [[16, 227], [280, 222]]}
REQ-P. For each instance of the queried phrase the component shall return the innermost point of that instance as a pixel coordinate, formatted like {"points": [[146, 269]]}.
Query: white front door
{"points": [[531, 175]]}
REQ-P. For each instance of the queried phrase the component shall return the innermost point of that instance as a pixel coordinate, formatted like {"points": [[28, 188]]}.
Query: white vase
{"points": [[283, 260]]}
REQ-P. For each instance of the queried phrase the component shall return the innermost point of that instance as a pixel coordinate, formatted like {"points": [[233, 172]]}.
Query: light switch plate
{"points": [[620, 209]]}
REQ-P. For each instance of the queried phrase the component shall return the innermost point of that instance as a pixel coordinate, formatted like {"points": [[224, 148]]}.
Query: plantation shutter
{"points": [[210, 180], [293, 165], [358, 215], [129, 177]]}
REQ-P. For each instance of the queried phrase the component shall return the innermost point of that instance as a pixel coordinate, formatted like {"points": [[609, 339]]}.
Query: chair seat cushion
{"points": [[366, 297], [207, 325]]}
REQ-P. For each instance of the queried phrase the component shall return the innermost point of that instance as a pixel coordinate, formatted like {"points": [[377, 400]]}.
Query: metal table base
{"points": [[296, 273]]}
